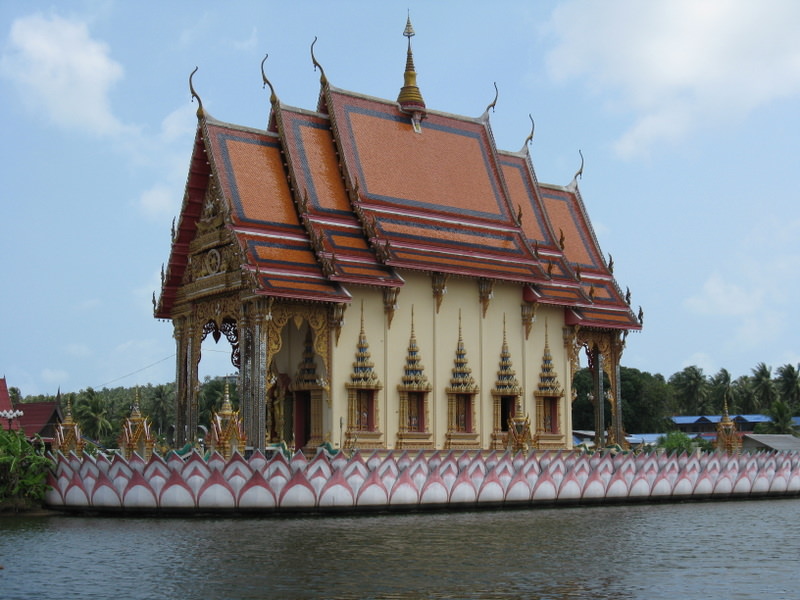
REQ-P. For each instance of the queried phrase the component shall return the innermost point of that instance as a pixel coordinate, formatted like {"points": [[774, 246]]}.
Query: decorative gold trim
{"points": [[390, 303], [439, 285], [529, 316], [486, 293]]}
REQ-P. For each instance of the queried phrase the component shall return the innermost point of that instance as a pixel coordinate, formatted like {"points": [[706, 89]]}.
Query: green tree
{"points": [[582, 407], [780, 420], [764, 391], [744, 402], [721, 391], [675, 441], [646, 401], [23, 472], [160, 407], [15, 395], [92, 414], [788, 383], [691, 391]]}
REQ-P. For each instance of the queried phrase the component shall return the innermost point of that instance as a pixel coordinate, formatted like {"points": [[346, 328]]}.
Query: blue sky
{"points": [[687, 113]]}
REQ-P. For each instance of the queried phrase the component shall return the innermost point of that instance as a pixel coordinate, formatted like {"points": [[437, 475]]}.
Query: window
{"points": [[365, 410], [416, 411], [463, 413], [550, 415]]}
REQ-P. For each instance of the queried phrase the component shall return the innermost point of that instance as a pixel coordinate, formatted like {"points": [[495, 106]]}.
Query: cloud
{"points": [[78, 350], [250, 43], [678, 64], [159, 202], [721, 298], [179, 124], [54, 375], [702, 360], [60, 70]]}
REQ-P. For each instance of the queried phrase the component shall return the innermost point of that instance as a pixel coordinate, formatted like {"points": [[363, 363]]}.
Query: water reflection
{"points": [[637, 551]]}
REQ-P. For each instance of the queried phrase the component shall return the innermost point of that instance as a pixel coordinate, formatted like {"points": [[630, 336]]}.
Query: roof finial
{"points": [[410, 98], [194, 95], [493, 103], [579, 172], [273, 98], [529, 139], [322, 79]]}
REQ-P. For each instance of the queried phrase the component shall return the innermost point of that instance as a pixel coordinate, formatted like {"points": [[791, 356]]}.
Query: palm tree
{"points": [[160, 407], [780, 419], [91, 412], [722, 390], [743, 399], [691, 390], [788, 381], [763, 387]]}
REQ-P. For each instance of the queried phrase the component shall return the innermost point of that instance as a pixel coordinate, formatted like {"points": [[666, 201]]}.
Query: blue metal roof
{"points": [[689, 419]]}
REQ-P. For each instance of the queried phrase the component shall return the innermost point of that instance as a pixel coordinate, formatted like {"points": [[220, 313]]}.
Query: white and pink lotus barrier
{"points": [[400, 481]]}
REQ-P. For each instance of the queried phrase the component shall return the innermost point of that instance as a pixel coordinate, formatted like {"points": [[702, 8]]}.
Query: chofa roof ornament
{"points": [[200, 113]]}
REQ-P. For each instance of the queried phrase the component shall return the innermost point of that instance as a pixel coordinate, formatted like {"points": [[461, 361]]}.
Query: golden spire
{"points": [[414, 372], [227, 407], [462, 380], [410, 98], [548, 379], [363, 375]]}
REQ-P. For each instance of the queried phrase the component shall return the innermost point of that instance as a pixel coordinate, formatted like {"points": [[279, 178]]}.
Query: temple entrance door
{"points": [[302, 418]]}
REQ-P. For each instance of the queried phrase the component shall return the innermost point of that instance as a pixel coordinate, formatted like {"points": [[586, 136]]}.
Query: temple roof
{"points": [[361, 189]]}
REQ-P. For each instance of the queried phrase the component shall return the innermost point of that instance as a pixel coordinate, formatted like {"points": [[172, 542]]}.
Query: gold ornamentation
{"points": [[390, 303], [529, 316], [486, 293], [136, 435], [439, 284], [337, 319]]}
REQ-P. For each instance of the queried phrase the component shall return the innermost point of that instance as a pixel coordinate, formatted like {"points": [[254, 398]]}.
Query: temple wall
{"points": [[437, 339]]}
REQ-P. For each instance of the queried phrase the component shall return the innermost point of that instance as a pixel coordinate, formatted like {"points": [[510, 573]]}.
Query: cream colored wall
{"points": [[437, 338]]}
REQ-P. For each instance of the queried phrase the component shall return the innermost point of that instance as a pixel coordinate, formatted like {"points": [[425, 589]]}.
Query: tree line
{"points": [[648, 400], [101, 413]]}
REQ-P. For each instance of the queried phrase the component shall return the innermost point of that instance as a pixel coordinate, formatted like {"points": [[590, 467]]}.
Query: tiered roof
{"points": [[462, 380], [548, 378], [364, 188], [364, 375]]}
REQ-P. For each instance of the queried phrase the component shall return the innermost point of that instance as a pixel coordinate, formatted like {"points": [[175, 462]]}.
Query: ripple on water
{"points": [[619, 552]]}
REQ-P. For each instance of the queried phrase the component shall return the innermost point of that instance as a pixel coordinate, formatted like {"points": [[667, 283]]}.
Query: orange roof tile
{"points": [[357, 190]]}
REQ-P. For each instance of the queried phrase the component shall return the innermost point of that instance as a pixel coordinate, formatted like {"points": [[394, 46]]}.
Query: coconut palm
{"points": [[160, 407], [691, 390], [91, 413], [744, 401], [722, 390], [763, 387], [788, 382], [780, 419]]}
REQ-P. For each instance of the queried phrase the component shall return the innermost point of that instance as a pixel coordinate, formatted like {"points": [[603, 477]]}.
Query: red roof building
{"points": [[33, 418], [6, 408], [415, 218], [40, 418]]}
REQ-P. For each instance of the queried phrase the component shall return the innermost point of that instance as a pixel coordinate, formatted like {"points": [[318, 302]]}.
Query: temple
{"points": [[387, 278]]}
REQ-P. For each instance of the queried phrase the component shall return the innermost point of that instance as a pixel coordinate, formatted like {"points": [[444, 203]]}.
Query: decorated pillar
{"points": [[183, 381]]}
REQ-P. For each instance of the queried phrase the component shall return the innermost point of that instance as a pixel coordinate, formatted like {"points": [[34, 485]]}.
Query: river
{"points": [[726, 550]]}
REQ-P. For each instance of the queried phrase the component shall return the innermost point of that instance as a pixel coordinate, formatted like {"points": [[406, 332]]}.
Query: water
{"points": [[726, 550]]}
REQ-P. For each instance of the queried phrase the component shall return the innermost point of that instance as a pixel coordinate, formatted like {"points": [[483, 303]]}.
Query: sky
{"points": [[687, 113]]}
